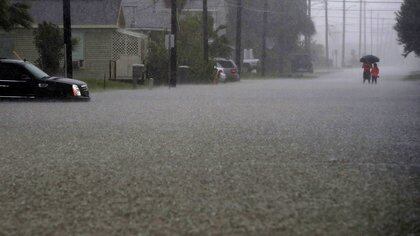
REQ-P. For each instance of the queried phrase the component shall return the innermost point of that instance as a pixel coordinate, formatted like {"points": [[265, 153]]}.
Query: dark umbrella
{"points": [[369, 59]]}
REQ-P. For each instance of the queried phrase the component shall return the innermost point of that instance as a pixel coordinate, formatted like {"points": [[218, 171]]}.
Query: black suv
{"points": [[21, 79]]}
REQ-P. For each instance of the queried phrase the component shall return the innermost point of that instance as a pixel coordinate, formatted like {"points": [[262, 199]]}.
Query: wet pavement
{"points": [[285, 156]]}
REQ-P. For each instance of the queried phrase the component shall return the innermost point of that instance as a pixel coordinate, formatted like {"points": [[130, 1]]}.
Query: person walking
{"points": [[366, 72], [375, 73]]}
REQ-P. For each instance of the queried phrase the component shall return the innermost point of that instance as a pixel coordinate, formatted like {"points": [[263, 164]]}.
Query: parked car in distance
{"points": [[302, 63], [226, 70], [21, 79]]}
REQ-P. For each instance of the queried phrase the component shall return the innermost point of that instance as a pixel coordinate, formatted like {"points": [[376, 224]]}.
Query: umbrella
{"points": [[369, 59]]}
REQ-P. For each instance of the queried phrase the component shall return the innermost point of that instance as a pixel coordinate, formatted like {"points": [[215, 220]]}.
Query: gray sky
{"points": [[384, 36]]}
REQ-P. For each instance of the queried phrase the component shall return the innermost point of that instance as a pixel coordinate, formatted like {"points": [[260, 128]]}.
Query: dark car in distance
{"points": [[302, 63], [21, 79]]}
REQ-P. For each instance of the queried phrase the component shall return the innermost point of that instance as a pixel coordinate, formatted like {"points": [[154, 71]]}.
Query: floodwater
{"points": [[292, 156]]}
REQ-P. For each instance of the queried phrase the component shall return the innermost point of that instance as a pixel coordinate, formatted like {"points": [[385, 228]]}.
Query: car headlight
{"points": [[76, 91]]}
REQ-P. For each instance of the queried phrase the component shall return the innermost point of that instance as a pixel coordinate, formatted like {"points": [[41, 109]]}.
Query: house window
{"points": [[79, 50]]}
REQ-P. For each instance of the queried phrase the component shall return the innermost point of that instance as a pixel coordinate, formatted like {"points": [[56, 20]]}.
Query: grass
{"points": [[98, 84], [314, 75], [288, 75], [414, 76]]}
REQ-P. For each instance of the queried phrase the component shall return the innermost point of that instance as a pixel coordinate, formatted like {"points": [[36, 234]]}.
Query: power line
{"points": [[369, 2], [340, 17], [340, 9]]}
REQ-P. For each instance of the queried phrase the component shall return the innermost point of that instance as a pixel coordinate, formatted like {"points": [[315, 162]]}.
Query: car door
{"points": [[3, 84], [7, 79], [21, 81]]}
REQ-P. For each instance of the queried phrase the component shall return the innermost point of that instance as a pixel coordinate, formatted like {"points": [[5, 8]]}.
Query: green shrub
{"points": [[49, 43], [189, 51], [157, 63]]}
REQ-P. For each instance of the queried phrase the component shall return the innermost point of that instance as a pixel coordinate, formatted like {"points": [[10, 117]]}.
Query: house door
{"points": [[6, 46]]}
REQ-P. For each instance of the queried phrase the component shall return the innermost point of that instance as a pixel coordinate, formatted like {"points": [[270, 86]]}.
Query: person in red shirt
{"points": [[366, 72], [375, 73]]}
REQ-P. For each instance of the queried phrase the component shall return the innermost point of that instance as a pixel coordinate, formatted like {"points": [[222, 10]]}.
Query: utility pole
{"points": [[264, 39], [310, 16], [308, 37], [360, 28], [238, 35], [371, 31], [205, 32], [172, 48], [364, 31], [67, 38], [377, 34], [343, 52], [327, 53], [381, 39]]}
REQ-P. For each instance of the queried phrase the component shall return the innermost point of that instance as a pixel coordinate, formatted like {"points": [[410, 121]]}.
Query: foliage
{"points": [[287, 23], [49, 43], [220, 45], [13, 15], [190, 45], [189, 51], [157, 62], [96, 85], [408, 26]]}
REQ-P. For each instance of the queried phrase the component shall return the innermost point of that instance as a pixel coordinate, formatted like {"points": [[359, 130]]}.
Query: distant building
{"points": [[99, 26], [154, 15]]}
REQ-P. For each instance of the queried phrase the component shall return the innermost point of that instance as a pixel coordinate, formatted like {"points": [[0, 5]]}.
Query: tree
{"points": [[13, 15], [287, 23], [157, 60], [190, 50], [408, 26], [49, 43]]}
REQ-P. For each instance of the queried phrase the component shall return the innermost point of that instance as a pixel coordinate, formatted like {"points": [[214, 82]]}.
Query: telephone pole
{"points": [[327, 53], [264, 39], [377, 34], [205, 32], [364, 26], [172, 48], [238, 35], [343, 53], [308, 37], [360, 28], [67, 38], [381, 48], [371, 31]]}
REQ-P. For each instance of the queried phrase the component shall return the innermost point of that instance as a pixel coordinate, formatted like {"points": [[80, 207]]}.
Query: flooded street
{"points": [[292, 156]]}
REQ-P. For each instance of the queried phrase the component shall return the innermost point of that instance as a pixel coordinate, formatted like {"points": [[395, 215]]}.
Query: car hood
{"points": [[66, 81]]}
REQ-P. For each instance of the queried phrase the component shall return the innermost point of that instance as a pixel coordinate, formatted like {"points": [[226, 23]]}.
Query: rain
{"points": [[200, 148]]}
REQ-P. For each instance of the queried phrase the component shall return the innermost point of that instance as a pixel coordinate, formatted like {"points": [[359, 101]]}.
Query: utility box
{"points": [[138, 74], [183, 74]]}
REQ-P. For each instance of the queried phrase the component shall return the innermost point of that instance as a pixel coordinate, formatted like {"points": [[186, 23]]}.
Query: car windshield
{"points": [[35, 71], [226, 64]]}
